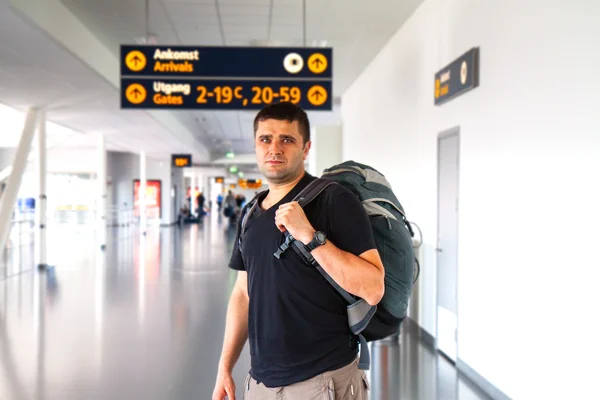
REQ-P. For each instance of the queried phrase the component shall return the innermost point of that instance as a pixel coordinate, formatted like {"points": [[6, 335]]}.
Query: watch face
{"points": [[320, 237]]}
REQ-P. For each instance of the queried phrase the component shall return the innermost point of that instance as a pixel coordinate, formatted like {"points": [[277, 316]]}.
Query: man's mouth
{"points": [[274, 162]]}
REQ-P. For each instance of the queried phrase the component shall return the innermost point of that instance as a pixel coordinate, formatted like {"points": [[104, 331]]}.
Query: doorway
{"points": [[447, 243]]}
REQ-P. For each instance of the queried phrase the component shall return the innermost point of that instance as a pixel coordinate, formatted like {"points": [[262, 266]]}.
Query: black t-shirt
{"points": [[297, 322]]}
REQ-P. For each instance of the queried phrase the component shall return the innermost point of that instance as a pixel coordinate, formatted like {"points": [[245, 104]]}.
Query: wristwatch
{"points": [[319, 239]]}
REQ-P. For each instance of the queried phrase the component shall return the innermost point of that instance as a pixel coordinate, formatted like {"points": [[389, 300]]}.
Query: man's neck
{"points": [[278, 191]]}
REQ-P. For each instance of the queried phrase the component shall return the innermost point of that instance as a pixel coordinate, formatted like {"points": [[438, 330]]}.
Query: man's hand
{"points": [[225, 386], [291, 217]]}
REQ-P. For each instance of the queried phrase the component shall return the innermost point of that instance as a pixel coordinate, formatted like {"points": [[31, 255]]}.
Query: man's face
{"points": [[280, 152]]}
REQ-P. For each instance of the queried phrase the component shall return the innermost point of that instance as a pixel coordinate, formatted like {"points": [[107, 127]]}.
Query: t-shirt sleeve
{"points": [[349, 225], [236, 261]]}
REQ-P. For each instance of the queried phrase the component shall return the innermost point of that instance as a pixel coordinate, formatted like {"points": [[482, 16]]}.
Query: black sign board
{"points": [[457, 78], [219, 179], [180, 94], [226, 62], [181, 160], [229, 78]]}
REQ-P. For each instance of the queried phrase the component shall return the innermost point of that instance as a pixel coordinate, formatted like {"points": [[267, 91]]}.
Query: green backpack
{"points": [[392, 233], [393, 236]]}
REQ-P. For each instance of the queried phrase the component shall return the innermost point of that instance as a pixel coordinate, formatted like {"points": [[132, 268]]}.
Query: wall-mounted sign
{"points": [[181, 160], [231, 78], [219, 179], [458, 77]]}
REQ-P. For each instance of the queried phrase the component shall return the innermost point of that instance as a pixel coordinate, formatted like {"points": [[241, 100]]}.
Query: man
{"points": [[219, 201], [229, 203], [301, 347], [201, 199]]}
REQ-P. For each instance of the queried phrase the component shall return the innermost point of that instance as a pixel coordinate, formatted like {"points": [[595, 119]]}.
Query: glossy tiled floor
{"points": [[145, 320]]}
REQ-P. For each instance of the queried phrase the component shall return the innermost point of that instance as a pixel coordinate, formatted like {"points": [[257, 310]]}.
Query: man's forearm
{"points": [[357, 276], [236, 331]]}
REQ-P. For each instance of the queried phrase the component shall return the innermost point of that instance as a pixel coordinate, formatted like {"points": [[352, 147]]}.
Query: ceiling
{"points": [[356, 30], [36, 71]]}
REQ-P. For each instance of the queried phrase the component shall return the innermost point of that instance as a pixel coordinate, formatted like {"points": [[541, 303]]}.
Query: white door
{"points": [[447, 243]]}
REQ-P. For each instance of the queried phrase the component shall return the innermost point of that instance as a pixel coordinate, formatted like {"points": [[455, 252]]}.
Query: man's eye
{"points": [[288, 140]]}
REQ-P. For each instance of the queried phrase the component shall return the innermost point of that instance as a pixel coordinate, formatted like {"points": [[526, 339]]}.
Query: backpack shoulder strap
{"points": [[247, 212], [312, 190]]}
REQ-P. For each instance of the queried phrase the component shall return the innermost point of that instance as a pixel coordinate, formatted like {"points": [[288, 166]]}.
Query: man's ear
{"points": [[306, 149]]}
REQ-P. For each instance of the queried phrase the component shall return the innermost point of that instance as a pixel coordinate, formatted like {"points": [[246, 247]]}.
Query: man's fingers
{"points": [[219, 395], [282, 211], [281, 216], [230, 393], [286, 206], [280, 223]]}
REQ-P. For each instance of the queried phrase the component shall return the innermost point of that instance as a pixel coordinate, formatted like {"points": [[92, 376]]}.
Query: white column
{"points": [[101, 186], [326, 149], [42, 170], [206, 188], [142, 193], [14, 180]]}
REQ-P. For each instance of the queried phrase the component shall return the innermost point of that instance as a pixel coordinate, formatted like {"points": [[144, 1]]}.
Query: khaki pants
{"points": [[346, 383]]}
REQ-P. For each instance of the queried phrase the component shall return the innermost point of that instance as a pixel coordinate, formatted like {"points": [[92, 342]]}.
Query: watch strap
{"points": [[314, 243]]}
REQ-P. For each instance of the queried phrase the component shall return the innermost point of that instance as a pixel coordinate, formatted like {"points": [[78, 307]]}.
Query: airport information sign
{"points": [[225, 78], [181, 160], [458, 77]]}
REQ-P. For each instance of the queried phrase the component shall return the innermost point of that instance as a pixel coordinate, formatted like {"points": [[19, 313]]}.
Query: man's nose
{"points": [[275, 147]]}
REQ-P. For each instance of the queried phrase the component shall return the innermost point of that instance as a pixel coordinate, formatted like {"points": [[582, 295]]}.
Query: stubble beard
{"points": [[281, 176]]}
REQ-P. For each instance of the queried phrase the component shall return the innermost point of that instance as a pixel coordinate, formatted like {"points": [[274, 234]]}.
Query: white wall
{"points": [[326, 148], [529, 173], [161, 170], [122, 169]]}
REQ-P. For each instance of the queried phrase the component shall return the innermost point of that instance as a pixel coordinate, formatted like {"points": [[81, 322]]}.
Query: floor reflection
{"points": [[404, 367], [145, 320]]}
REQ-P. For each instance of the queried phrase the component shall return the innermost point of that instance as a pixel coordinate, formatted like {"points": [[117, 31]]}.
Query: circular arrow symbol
{"points": [[317, 95], [135, 60], [136, 93], [317, 63]]}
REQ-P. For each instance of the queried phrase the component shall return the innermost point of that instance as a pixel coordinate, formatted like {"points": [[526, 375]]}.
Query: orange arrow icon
{"points": [[317, 63], [135, 60], [317, 95], [136, 93]]}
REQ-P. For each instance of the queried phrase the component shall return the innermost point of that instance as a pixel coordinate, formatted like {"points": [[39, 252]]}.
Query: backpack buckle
{"points": [[284, 246]]}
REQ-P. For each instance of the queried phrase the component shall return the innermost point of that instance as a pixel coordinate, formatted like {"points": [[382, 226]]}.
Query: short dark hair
{"points": [[287, 111]]}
